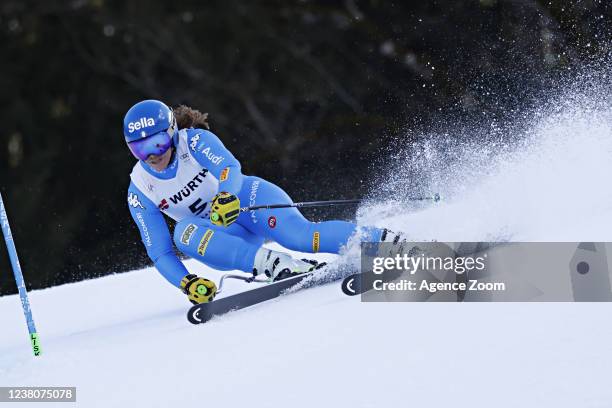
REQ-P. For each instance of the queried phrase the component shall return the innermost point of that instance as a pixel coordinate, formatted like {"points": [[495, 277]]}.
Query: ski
{"points": [[204, 312], [362, 282]]}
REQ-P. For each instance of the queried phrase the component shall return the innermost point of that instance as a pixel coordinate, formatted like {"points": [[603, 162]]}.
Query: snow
{"points": [[123, 340]]}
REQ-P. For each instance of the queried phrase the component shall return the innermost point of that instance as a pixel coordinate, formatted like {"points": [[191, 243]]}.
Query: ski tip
{"points": [[196, 314]]}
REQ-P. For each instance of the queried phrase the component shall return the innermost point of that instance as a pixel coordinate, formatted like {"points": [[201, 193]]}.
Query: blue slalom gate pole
{"points": [[23, 293]]}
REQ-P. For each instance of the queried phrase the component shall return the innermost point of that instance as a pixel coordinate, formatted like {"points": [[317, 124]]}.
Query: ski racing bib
{"points": [[186, 194]]}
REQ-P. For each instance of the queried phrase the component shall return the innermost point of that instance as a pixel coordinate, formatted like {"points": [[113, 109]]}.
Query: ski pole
{"points": [[23, 294], [303, 204], [435, 198]]}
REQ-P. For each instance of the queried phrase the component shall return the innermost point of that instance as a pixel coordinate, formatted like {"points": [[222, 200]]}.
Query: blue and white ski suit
{"points": [[200, 168]]}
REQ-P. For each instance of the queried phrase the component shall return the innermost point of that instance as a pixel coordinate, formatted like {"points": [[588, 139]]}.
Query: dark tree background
{"points": [[305, 93]]}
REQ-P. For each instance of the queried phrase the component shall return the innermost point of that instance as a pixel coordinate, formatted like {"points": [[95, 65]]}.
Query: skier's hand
{"points": [[225, 209], [198, 290]]}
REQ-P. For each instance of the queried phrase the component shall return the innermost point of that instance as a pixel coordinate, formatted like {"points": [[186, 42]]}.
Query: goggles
{"points": [[156, 144]]}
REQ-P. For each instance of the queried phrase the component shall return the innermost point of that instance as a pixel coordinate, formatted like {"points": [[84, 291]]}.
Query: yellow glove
{"points": [[198, 290], [225, 209]]}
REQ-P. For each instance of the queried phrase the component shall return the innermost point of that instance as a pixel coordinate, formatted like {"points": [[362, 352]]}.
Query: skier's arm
{"points": [[209, 151], [155, 236]]}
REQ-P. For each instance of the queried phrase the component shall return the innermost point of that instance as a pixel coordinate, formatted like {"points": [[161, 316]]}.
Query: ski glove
{"points": [[225, 209], [198, 290]]}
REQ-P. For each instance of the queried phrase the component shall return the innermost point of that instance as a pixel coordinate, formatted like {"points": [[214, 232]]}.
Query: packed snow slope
{"points": [[124, 340]]}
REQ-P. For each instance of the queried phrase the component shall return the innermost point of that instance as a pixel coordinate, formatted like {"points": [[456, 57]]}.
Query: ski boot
{"points": [[399, 245], [278, 265], [395, 243]]}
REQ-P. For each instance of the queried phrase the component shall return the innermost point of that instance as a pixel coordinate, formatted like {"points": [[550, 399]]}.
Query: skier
{"points": [[185, 172]]}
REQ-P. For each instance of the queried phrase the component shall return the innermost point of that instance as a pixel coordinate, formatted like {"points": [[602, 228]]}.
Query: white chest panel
{"points": [[188, 193]]}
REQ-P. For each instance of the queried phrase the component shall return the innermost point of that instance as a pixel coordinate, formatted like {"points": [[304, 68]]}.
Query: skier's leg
{"points": [[294, 231], [221, 248], [288, 226]]}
